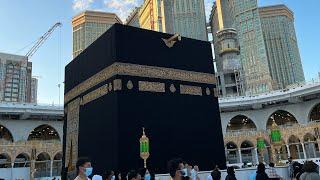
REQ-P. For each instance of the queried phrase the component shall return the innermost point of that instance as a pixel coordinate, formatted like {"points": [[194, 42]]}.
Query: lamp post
{"points": [[144, 148], [261, 145], [276, 142]]}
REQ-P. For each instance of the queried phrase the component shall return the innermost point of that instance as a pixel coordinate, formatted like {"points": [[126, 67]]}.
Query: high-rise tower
{"points": [[88, 26], [189, 19], [227, 53], [15, 78], [252, 48], [185, 17], [281, 45], [243, 16]]}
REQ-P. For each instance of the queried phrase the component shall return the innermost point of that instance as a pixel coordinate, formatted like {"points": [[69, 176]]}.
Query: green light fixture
{"points": [[275, 134], [144, 148], [261, 146]]}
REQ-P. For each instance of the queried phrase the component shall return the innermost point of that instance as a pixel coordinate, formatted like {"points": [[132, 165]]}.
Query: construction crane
{"points": [[42, 39]]}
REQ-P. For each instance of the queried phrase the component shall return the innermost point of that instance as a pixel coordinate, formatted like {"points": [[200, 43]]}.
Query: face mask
{"points": [[147, 177], [185, 172], [113, 177], [88, 171]]}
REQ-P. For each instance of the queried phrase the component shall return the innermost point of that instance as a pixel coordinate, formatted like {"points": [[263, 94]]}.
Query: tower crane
{"points": [[41, 40]]}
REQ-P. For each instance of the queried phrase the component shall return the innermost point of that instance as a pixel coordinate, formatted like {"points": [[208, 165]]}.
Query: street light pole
{"points": [[59, 85]]}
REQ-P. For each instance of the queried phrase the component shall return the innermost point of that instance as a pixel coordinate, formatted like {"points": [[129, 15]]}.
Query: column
{"points": [[288, 150], [240, 156], [314, 150], [12, 166], [226, 152], [256, 155], [51, 167], [298, 148], [318, 142], [304, 151]]}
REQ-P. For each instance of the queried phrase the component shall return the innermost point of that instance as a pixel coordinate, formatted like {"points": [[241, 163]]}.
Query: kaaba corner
{"points": [[130, 79]]}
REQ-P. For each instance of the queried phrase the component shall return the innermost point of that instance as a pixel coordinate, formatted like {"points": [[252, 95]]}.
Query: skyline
{"points": [[56, 52]]}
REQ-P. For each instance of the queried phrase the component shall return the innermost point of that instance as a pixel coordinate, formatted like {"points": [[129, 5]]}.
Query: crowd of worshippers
{"points": [[180, 170], [307, 171]]}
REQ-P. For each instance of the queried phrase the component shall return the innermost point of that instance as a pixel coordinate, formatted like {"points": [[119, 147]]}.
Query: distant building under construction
{"points": [[15, 79]]}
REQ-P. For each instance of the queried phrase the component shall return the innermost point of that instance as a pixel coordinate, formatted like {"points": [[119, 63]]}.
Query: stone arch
{"points": [[22, 160], [282, 118], [311, 145], [44, 132], [58, 156], [231, 152], [5, 160], [231, 145], [42, 165], [246, 151], [241, 122], [314, 114], [5, 134], [246, 144], [57, 163], [295, 147], [309, 137], [43, 156], [293, 139]]}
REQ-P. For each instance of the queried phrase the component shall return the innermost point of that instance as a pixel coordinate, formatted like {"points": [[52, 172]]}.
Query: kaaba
{"points": [[130, 79]]}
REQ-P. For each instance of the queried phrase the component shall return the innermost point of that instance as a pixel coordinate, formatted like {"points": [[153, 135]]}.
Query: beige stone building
{"points": [[296, 111], [30, 140], [88, 26]]}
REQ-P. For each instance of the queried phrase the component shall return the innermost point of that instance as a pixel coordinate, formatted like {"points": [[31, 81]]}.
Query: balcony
{"points": [[229, 50]]}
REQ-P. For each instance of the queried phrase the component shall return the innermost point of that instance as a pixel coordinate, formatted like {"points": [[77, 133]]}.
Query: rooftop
{"points": [[296, 93], [276, 10], [95, 16]]}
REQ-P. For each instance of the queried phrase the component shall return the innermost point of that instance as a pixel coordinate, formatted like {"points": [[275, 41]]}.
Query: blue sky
{"points": [[24, 21]]}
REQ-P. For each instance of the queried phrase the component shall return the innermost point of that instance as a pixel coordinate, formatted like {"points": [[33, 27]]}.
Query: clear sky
{"points": [[24, 21]]}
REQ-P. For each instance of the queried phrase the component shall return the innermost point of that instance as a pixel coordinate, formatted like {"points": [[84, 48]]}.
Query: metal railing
{"points": [[243, 132], [253, 132]]}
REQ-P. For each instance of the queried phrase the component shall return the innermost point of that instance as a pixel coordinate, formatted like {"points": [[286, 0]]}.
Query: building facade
{"points": [[31, 139], [227, 53], [253, 52], [281, 45], [229, 71], [151, 15], [295, 111], [31, 136], [34, 90], [189, 19], [185, 17], [15, 78], [269, 53], [88, 26]]}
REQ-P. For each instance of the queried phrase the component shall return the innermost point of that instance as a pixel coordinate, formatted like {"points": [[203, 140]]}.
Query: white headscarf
{"points": [[97, 177]]}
